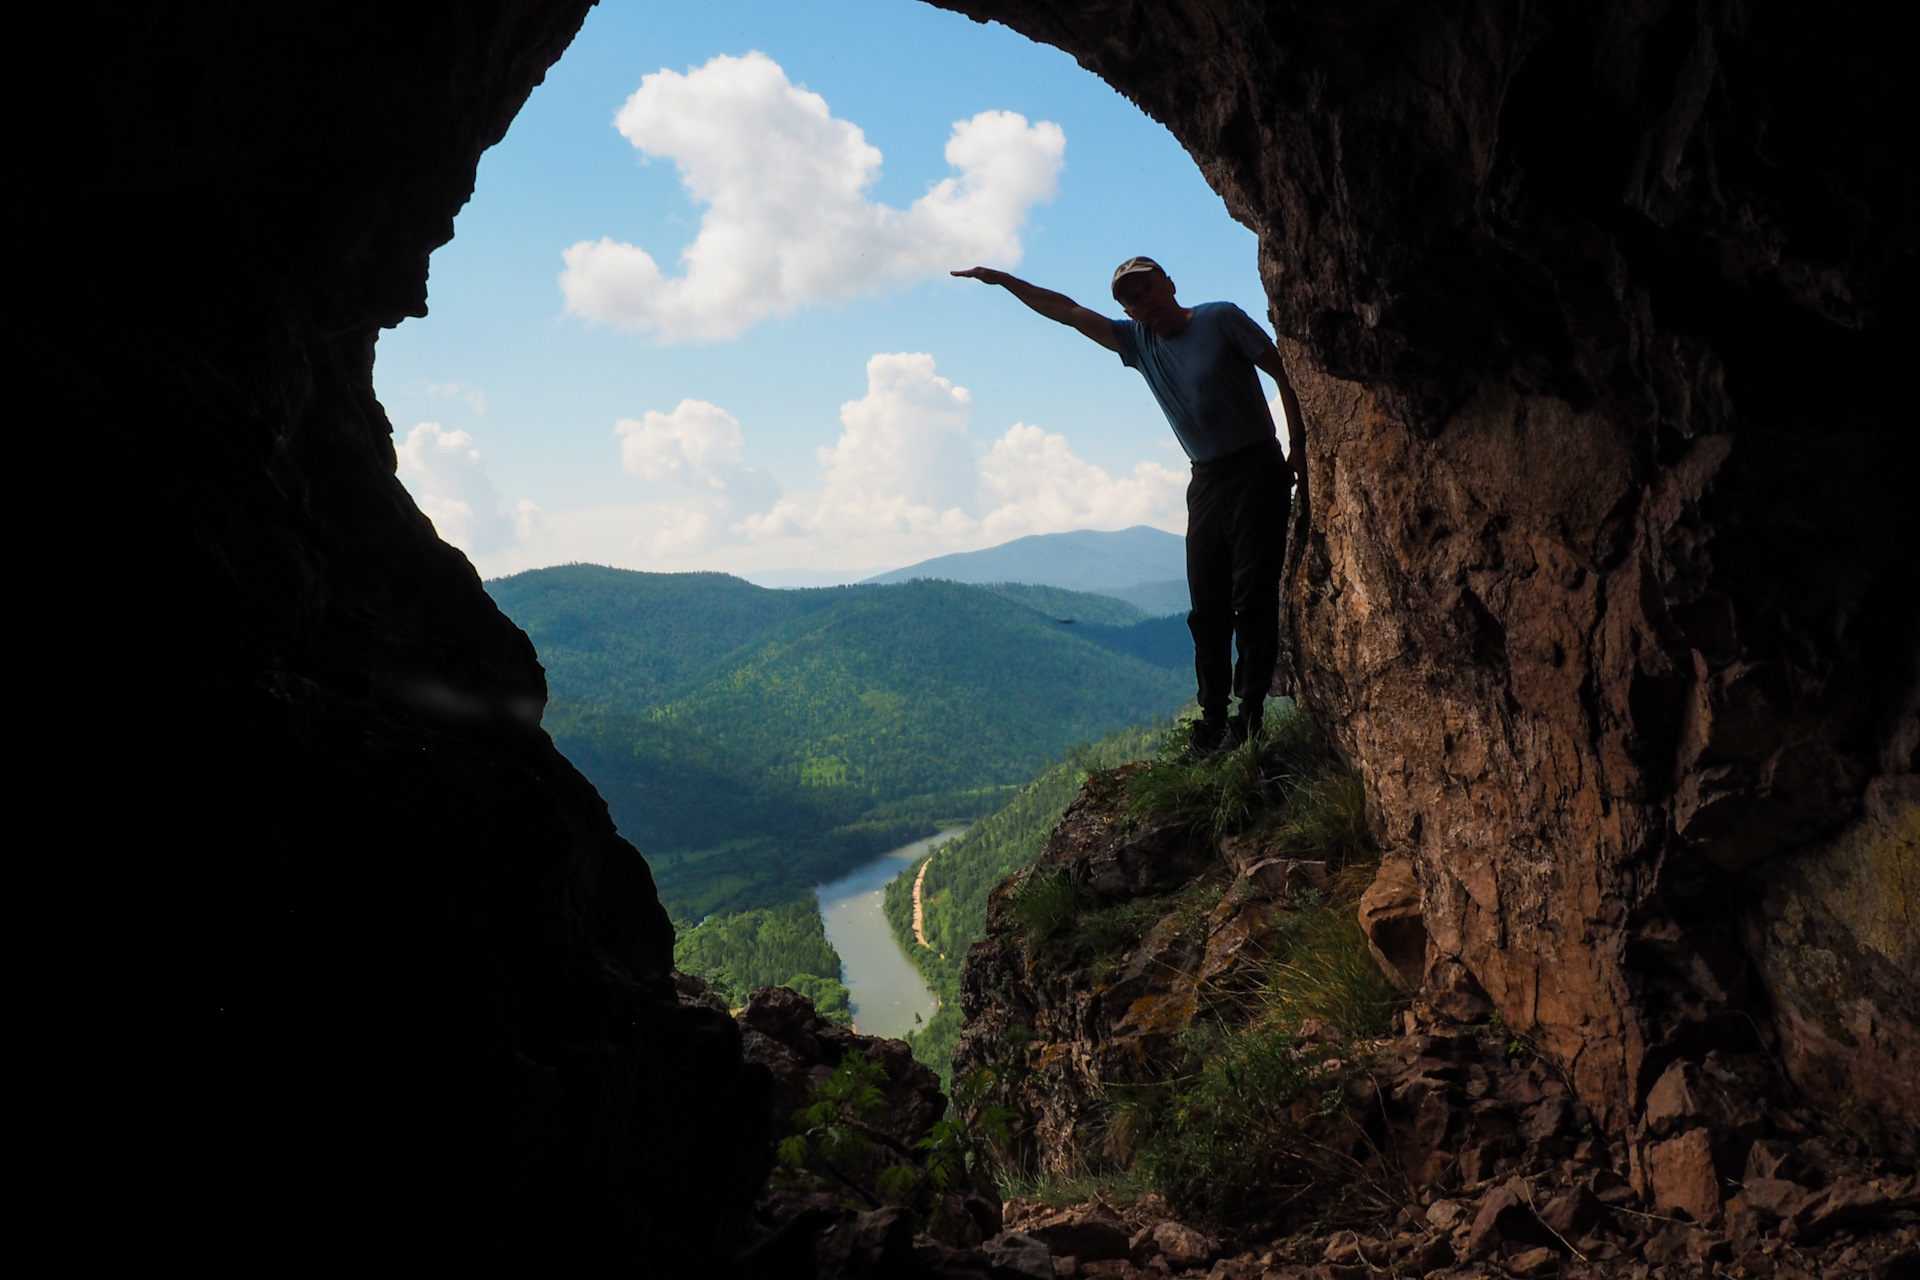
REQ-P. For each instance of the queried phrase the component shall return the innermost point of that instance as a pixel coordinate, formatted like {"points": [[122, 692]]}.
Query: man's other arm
{"points": [[1270, 363], [1054, 306]]}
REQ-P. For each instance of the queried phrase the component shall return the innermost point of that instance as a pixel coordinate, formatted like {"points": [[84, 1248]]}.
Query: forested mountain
{"points": [[617, 639], [755, 742]]}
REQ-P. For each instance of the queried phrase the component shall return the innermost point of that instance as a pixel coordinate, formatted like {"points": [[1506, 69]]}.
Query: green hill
{"points": [[615, 638], [753, 743]]}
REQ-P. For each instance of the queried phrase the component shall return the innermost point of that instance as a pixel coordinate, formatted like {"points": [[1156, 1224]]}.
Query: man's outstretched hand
{"points": [[1054, 306], [986, 275]]}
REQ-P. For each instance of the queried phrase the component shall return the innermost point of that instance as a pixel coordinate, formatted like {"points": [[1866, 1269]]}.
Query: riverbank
{"points": [[887, 992]]}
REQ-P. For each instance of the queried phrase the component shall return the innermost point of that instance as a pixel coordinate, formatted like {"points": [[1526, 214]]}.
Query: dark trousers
{"points": [[1237, 509]]}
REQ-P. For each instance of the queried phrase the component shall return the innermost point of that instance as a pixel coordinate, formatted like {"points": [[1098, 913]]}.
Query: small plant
{"points": [[1045, 902], [832, 1137], [956, 1148], [1110, 932], [1325, 972]]}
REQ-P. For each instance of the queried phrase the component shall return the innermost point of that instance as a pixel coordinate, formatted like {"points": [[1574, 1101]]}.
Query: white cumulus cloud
{"points": [[1031, 482], [443, 472], [904, 481], [696, 443], [788, 220]]}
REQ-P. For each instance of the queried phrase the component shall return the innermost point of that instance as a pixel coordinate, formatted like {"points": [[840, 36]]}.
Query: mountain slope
{"points": [[1084, 560], [755, 742], [916, 689], [617, 637]]}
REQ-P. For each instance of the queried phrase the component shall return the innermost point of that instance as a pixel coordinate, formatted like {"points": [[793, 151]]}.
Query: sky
{"points": [[697, 313]]}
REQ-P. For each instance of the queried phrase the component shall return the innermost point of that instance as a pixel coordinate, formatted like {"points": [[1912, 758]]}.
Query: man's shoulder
{"points": [[1228, 311]]}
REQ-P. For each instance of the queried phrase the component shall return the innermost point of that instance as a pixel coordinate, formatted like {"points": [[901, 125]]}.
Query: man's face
{"points": [[1147, 297]]}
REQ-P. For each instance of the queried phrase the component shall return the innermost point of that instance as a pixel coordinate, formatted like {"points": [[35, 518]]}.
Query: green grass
{"points": [[1117, 1187], [1248, 1123], [1283, 785], [1045, 902]]}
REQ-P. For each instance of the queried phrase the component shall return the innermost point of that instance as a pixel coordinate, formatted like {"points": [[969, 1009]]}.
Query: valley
{"points": [[757, 745]]}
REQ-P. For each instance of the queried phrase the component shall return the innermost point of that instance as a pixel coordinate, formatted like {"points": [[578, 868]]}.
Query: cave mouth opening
{"points": [[680, 263]]}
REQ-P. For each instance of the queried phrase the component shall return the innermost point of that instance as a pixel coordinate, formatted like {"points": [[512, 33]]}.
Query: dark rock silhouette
{"points": [[378, 978], [1600, 314]]}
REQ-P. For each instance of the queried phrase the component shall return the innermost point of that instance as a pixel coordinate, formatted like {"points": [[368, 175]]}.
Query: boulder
{"points": [[1682, 1177], [1015, 1254], [1090, 1233], [1180, 1246], [1393, 917]]}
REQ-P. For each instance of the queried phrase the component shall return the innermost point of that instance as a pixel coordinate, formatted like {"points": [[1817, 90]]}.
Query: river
{"points": [[882, 984]]}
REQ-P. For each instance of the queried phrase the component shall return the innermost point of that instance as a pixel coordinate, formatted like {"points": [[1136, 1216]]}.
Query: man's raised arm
{"points": [[1054, 306]]}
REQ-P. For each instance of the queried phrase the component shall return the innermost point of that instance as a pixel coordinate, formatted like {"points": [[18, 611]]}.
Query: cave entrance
{"points": [[703, 230]]}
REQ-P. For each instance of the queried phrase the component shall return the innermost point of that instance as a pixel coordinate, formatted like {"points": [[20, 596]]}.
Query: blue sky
{"points": [[813, 399]]}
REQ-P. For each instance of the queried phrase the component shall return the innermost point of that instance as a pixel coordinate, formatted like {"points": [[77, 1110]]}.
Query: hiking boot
{"points": [[1242, 728], [1205, 739]]}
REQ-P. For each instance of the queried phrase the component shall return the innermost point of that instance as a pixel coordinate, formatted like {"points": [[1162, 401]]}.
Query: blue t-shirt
{"points": [[1204, 378]]}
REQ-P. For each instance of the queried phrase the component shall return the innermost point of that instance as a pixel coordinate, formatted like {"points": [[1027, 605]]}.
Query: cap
{"points": [[1133, 266]]}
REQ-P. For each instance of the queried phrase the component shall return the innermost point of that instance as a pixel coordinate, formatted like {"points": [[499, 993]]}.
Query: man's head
{"points": [[1144, 291]]}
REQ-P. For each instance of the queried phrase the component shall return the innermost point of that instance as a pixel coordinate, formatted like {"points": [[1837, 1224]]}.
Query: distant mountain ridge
{"points": [[1107, 563]]}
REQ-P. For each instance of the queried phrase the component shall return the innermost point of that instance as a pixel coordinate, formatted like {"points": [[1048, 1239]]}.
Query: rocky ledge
{"points": [[1444, 1148]]}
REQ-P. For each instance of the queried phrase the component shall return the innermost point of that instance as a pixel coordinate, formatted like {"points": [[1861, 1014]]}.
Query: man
{"points": [[1199, 362]]}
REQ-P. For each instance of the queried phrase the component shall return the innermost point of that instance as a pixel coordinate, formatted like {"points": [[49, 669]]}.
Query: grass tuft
{"points": [[1045, 902], [1283, 784]]}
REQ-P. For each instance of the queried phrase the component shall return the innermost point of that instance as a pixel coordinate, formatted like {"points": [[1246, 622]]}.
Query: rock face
{"points": [[368, 969], [1054, 1024], [1598, 315]]}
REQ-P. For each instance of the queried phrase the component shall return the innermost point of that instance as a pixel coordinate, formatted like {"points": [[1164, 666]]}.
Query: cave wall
{"points": [[352, 962], [1596, 310], [1605, 579]]}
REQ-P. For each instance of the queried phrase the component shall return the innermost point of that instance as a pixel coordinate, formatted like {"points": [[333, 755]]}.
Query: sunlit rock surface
{"points": [[1599, 315]]}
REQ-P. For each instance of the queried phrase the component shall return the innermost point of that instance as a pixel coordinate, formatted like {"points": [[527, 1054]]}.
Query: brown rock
{"points": [[1476, 1164], [781, 1030], [1544, 1120], [1777, 1197], [1502, 1216], [1237, 939], [1670, 1102], [1682, 1177], [1446, 1215], [1283, 878], [1016, 1254], [1181, 1246], [1433, 1254], [1091, 1234], [1538, 1261], [1393, 918], [1847, 1203], [1573, 1212], [1670, 1244], [1773, 1160]]}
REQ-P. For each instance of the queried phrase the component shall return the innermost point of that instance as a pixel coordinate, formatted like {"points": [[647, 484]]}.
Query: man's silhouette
{"points": [[1200, 362]]}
